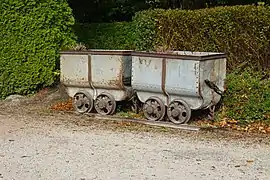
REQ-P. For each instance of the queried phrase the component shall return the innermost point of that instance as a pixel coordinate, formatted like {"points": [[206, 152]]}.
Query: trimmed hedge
{"points": [[32, 33], [146, 30], [117, 35], [247, 97], [243, 32]]}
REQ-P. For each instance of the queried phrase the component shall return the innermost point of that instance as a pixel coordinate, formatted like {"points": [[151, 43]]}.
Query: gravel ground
{"points": [[47, 147]]}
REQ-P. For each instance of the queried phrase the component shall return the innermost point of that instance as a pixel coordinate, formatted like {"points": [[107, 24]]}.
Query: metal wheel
{"points": [[179, 112], [105, 104], [135, 105], [154, 109], [82, 102]]}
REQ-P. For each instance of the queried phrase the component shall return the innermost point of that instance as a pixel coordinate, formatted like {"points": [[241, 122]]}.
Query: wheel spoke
{"points": [[157, 114], [109, 107], [149, 103]]}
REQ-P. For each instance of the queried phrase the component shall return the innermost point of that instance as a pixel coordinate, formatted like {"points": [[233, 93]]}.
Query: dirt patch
{"points": [[50, 102]]}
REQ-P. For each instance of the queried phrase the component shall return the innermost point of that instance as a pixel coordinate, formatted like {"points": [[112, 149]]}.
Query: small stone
{"points": [[14, 97], [24, 156]]}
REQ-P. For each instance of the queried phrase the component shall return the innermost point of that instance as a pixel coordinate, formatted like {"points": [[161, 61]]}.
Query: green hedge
{"points": [[117, 35], [146, 30], [243, 32], [32, 33], [247, 97]]}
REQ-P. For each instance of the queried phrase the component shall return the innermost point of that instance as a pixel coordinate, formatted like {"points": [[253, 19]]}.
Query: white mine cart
{"points": [[174, 83], [96, 79]]}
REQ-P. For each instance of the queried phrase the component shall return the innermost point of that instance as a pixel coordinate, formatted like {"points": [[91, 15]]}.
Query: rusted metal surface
{"points": [[74, 74], [105, 104], [178, 75], [163, 81], [193, 78], [89, 70], [99, 52], [154, 109], [179, 112], [97, 71], [181, 55], [147, 78], [107, 71], [215, 72]]}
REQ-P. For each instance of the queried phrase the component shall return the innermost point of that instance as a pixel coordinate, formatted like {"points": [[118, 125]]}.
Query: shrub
{"points": [[247, 97], [117, 35], [32, 33], [146, 31], [242, 32]]}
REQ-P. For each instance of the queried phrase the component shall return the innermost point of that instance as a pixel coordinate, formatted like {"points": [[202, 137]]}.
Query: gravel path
{"points": [[33, 148]]}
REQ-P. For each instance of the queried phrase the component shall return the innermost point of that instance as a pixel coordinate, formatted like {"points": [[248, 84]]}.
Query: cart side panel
{"points": [[147, 77], [147, 74], [182, 81], [182, 77], [74, 70], [107, 71]]}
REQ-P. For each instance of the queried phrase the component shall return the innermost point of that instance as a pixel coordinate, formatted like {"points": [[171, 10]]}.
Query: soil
{"points": [[40, 104], [39, 143]]}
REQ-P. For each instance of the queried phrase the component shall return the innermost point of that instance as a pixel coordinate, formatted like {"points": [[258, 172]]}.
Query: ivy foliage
{"points": [[32, 33]]}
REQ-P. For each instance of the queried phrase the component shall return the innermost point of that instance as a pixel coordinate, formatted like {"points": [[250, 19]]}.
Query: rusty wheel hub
{"points": [[150, 110], [176, 112], [102, 104]]}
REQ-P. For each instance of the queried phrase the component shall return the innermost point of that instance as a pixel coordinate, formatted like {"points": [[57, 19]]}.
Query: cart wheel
{"points": [[82, 102], [105, 104], [135, 105], [154, 109], [179, 112]]}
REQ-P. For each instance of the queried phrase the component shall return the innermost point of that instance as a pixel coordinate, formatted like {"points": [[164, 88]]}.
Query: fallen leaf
{"points": [[250, 161]]}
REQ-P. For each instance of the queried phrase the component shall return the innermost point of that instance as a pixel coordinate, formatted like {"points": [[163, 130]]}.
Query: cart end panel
{"points": [[74, 70]]}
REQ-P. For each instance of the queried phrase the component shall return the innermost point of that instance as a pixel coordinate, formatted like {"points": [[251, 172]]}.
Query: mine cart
{"points": [[97, 79], [172, 84]]}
